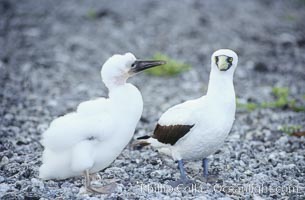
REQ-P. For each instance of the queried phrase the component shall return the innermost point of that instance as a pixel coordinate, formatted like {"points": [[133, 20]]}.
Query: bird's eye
{"points": [[230, 59], [133, 64]]}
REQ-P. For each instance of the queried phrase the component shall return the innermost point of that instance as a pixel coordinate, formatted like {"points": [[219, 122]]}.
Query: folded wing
{"points": [[175, 123]]}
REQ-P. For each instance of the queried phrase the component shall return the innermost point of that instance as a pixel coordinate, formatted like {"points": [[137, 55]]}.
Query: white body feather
{"points": [[93, 136]]}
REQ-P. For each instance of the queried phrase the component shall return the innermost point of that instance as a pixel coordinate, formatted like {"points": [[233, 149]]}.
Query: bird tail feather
{"points": [[148, 140], [141, 142]]}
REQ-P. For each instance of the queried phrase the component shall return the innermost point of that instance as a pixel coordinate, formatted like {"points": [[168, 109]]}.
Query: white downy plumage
{"points": [[89, 140], [197, 128]]}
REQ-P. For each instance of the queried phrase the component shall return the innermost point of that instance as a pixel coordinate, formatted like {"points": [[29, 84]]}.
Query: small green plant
{"points": [[290, 17], [171, 68], [92, 14], [248, 106], [282, 100], [290, 129]]}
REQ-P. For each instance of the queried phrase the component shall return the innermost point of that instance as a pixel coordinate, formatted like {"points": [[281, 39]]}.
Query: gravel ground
{"points": [[50, 59]]}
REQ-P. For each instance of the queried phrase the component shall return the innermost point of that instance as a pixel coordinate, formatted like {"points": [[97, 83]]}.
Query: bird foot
{"points": [[211, 178], [106, 189], [95, 177], [184, 182]]}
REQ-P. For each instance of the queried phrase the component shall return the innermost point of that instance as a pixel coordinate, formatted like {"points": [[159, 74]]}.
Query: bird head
{"points": [[118, 68], [224, 60]]}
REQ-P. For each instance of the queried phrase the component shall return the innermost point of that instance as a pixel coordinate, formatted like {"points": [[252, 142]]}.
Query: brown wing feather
{"points": [[170, 134]]}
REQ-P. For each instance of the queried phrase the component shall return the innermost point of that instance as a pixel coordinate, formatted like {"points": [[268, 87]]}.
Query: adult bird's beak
{"points": [[140, 65], [222, 63]]}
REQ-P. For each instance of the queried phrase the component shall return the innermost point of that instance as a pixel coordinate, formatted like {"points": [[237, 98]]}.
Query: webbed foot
{"points": [[184, 182], [105, 189]]}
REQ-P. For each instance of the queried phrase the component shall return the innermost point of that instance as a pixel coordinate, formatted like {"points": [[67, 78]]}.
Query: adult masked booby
{"points": [[89, 140], [196, 129]]}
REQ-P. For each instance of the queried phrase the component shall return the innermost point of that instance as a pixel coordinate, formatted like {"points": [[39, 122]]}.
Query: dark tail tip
{"points": [[143, 137], [138, 145]]}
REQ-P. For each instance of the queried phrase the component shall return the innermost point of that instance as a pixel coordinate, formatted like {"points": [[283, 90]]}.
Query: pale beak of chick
{"points": [[141, 65]]}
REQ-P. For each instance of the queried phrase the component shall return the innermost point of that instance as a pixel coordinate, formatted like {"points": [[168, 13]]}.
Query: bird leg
{"points": [[183, 178], [182, 170], [205, 166], [98, 189], [206, 176]]}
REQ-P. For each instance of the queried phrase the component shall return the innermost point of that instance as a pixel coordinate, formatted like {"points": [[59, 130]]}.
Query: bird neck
{"points": [[221, 87], [127, 99], [114, 82]]}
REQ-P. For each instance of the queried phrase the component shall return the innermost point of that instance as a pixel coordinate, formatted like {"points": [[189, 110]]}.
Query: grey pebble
{"points": [[50, 59]]}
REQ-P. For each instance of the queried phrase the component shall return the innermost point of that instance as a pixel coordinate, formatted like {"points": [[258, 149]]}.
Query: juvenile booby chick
{"points": [[88, 140], [195, 129]]}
